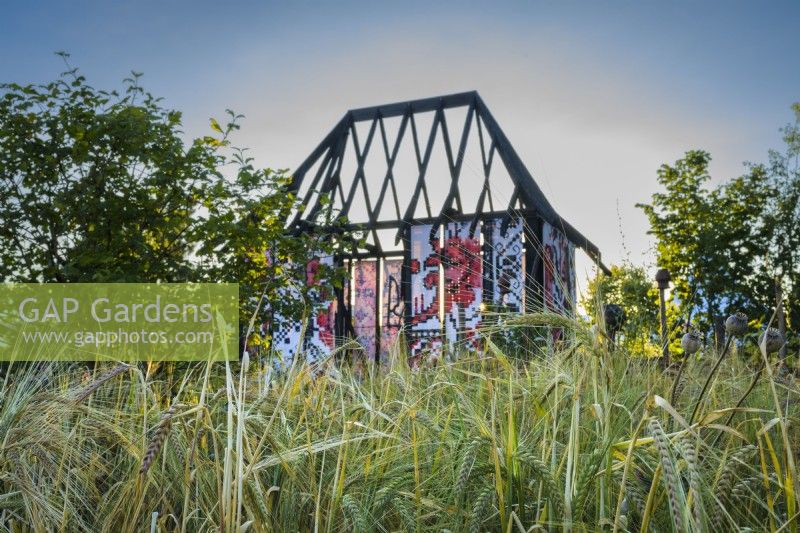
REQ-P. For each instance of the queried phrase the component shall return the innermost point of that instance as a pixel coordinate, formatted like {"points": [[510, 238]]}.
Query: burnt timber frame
{"points": [[527, 200]]}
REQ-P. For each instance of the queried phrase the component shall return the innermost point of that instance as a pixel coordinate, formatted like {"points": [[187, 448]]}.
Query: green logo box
{"points": [[119, 321]]}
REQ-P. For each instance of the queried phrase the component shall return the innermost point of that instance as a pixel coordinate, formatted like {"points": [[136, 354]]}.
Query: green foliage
{"points": [[97, 185], [712, 240], [783, 218], [631, 288], [100, 186], [729, 246]]}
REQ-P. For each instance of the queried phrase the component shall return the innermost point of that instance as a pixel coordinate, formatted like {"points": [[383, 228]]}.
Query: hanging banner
{"points": [[393, 305], [505, 264], [365, 309], [559, 271], [463, 290], [287, 332], [426, 326], [320, 335]]}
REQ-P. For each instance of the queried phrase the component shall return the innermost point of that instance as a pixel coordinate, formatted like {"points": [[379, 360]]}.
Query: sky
{"points": [[594, 96]]}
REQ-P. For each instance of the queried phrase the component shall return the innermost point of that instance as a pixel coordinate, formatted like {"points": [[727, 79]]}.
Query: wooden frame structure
{"points": [[322, 174]]}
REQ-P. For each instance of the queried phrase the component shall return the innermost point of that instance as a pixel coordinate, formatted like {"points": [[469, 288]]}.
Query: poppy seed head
{"points": [[736, 324], [771, 341], [691, 342]]}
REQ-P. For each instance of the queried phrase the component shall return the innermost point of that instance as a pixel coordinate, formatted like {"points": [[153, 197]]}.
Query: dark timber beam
{"points": [[422, 105], [332, 152]]}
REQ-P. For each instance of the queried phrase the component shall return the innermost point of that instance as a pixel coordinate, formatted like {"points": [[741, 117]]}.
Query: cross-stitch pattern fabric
{"points": [[365, 311], [286, 332], [463, 284], [504, 258], [426, 326], [320, 336], [393, 306], [559, 270]]}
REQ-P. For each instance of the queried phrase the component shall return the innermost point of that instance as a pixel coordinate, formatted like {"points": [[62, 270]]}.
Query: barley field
{"points": [[584, 438]]}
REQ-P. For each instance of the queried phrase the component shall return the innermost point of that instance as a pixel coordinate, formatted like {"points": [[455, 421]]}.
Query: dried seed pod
{"points": [[691, 342], [736, 324], [771, 341], [614, 317]]}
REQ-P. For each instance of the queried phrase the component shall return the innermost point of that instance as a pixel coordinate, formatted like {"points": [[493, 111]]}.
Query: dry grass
{"points": [[580, 440]]}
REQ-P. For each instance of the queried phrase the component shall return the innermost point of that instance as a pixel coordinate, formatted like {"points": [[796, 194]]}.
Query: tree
{"points": [[99, 186], [783, 218], [711, 239]]}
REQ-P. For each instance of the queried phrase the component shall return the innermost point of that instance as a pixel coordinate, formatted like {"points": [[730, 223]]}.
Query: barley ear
{"points": [[354, 513], [403, 511], [688, 449], [97, 383], [676, 497], [470, 454], [479, 510], [159, 437]]}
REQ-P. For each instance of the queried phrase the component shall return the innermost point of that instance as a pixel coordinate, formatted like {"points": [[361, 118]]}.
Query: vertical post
{"points": [[663, 279], [488, 263], [532, 295], [405, 286], [780, 318], [378, 310], [342, 319]]}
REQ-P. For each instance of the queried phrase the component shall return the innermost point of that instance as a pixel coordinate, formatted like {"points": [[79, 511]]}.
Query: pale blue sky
{"points": [[594, 95]]}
